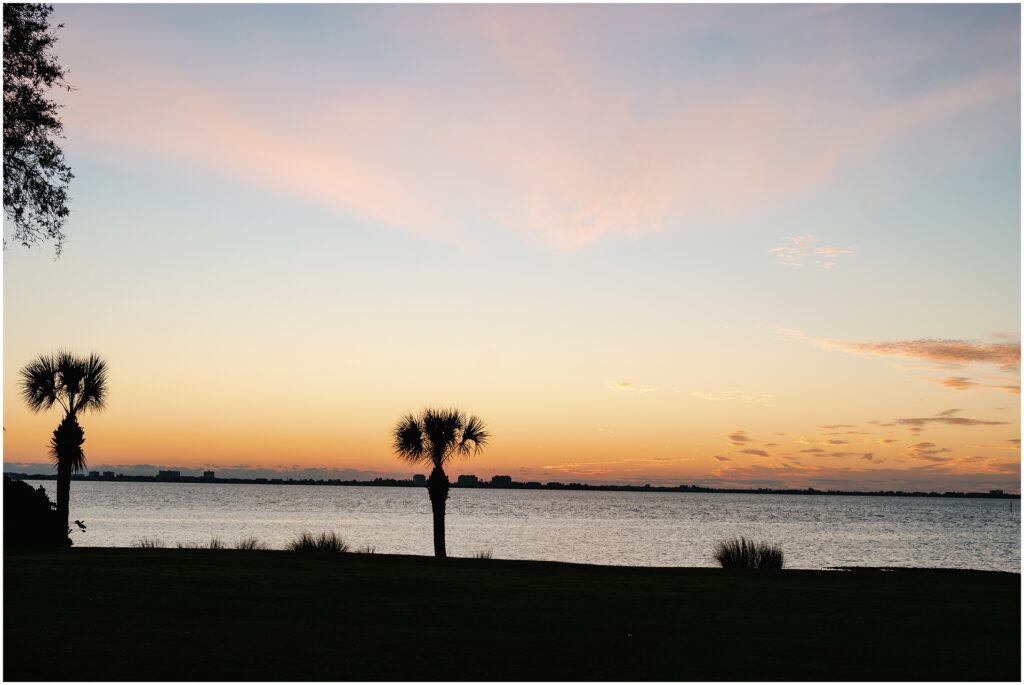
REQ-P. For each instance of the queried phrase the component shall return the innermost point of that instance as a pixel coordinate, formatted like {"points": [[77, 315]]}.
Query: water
{"points": [[624, 528]]}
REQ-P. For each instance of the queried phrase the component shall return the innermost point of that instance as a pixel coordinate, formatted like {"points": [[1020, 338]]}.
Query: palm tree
{"points": [[76, 384], [436, 437]]}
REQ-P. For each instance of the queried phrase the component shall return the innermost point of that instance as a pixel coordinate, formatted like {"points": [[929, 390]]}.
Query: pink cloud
{"points": [[532, 134], [1005, 355]]}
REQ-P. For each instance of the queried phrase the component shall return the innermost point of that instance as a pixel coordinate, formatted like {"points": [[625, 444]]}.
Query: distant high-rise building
{"points": [[168, 475], [468, 481], [108, 474], [419, 479], [501, 482], [208, 475]]}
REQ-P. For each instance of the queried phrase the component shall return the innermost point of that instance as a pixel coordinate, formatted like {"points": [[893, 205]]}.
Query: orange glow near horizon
{"points": [[663, 244]]}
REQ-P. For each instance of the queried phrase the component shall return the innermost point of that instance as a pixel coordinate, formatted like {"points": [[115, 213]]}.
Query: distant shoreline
{"points": [[515, 485]]}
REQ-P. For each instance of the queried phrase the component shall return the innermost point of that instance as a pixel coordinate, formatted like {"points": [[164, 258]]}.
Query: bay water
{"points": [[618, 528]]}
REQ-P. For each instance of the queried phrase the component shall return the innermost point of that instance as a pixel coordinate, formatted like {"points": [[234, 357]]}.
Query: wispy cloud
{"points": [[948, 421], [735, 396], [1004, 355], [756, 453], [525, 116], [801, 250], [738, 438], [927, 451], [946, 352], [631, 387], [963, 383]]}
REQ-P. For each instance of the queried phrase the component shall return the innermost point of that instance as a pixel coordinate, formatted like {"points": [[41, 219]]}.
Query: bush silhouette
{"points": [[148, 543], [743, 553], [250, 543], [324, 542], [30, 518]]}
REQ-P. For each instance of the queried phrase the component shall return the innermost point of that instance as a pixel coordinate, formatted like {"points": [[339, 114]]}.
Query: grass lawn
{"points": [[178, 614]]}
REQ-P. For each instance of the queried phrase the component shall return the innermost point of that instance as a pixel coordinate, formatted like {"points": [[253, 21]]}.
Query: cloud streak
{"points": [[801, 250], [959, 352], [524, 125]]}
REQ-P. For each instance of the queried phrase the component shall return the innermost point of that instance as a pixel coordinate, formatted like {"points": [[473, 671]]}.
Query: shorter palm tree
{"points": [[76, 384], [436, 437]]}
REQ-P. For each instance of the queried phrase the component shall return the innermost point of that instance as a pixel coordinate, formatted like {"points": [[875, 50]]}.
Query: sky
{"points": [[754, 246]]}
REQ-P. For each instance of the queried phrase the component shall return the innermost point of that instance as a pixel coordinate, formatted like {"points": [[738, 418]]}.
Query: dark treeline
{"points": [[516, 485]]}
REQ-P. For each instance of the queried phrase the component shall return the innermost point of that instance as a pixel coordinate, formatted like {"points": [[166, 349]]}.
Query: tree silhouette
{"points": [[36, 177], [76, 384], [436, 437]]}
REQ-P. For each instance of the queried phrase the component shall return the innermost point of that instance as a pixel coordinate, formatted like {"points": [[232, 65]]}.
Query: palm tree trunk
{"points": [[66, 448], [437, 486], [64, 495]]}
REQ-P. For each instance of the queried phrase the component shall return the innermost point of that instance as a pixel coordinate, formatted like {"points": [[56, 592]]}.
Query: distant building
{"points": [[996, 492], [419, 479], [468, 481], [168, 475], [108, 474], [501, 482], [94, 474], [208, 475]]}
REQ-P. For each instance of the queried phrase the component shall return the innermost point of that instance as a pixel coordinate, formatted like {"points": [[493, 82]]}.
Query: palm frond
{"points": [[38, 383], [442, 426], [474, 436], [408, 440], [94, 383], [70, 373]]}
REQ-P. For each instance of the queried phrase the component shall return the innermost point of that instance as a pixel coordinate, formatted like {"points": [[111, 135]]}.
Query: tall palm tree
{"points": [[436, 437], [76, 384]]}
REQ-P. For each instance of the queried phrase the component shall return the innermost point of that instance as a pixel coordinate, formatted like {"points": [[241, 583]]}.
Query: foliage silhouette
{"points": [[436, 437], [147, 543], [484, 554], [36, 176], [743, 553], [76, 384], [250, 543], [324, 542], [30, 518]]}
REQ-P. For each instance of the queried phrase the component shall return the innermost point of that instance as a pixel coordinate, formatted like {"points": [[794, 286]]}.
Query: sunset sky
{"points": [[725, 245]]}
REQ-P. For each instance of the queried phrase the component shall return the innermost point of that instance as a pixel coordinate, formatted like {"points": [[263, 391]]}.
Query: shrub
{"points": [[324, 542], [30, 518], [250, 543], [743, 553], [147, 543], [484, 554]]}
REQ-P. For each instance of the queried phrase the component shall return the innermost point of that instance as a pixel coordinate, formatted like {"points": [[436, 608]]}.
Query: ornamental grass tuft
{"points": [[743, 553], [324, 542]]}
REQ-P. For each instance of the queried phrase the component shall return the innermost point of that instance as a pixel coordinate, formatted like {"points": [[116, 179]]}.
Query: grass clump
{"points": [[216, 543], [484, 554], [324, 542], [250, 543], [147, 543], [743, 553], [366, 549]]}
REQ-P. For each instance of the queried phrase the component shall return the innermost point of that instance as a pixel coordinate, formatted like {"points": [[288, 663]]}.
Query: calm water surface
{"points": [[631, 528]]}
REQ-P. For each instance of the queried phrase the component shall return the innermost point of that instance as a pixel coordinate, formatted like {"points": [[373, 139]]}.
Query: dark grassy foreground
{"points": [[176, 614]]}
